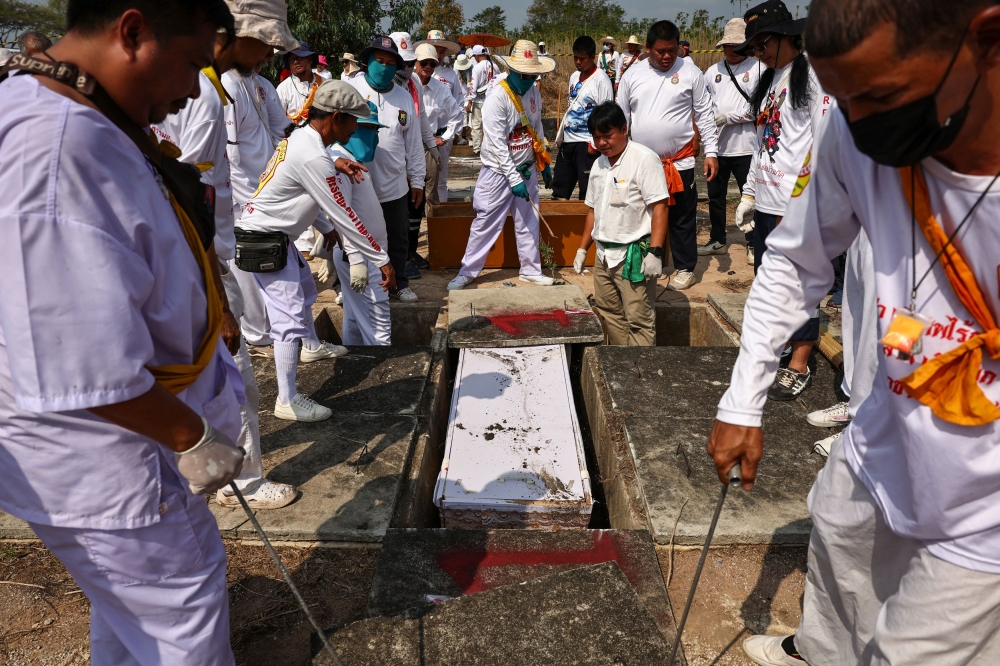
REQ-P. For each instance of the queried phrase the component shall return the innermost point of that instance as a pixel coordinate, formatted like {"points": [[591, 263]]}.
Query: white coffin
{"points": [[514, 457]]}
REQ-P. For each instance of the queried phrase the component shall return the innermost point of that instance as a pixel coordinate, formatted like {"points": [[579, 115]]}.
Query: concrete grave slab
{"points": [[14, 528], [511, 317], [730, 306], [589, 615]]}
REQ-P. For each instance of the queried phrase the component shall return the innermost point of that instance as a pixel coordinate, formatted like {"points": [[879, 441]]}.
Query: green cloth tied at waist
{"points": [[636, 252], [526, 170]]}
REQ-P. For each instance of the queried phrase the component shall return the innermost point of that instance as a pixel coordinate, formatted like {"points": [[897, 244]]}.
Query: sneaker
{"points": [[769, 651], [325, 350], [789, 384], [340, 299], [268, 495], [682, 280], [824, 445], [837, 415], [411, 272], [750, 254], [459, 282], [302, 408], [406, 295], [712, 247], [261, 351], [420, 262], [543, 280]]}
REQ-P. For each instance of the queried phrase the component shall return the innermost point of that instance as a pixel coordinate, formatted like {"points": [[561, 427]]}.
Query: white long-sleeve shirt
{"points": [[440, 108], [611, 64], [400, 154], [506, 143], [293, 93], [783, 141], [426, 131], [450, 78], [738, 136], [935, 482], [484, 77], [659, 105], [361, 198], [300, 180], [251, 137]]}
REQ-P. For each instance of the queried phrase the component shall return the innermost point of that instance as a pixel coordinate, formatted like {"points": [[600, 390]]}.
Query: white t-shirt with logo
{"points": [[506, 142], [596, 89], [935, 482], [658, 106], [738, 136], [621, 196]]}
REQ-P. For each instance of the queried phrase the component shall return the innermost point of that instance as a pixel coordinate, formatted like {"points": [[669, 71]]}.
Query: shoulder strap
{"points": [[733, 77]]}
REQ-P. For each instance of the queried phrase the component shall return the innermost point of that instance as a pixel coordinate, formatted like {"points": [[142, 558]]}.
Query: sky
{"points": [[516, 10]]}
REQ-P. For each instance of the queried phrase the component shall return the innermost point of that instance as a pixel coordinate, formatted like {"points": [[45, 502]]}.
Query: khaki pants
{"points": [[477, 127], [626, 307], [431, 179]]}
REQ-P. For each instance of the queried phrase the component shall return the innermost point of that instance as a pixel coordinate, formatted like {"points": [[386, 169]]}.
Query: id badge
{"points": [[905, 333]]}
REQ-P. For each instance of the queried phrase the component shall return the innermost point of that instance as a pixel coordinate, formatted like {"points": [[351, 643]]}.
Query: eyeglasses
{"points": [[760, 48], [428, 63]]}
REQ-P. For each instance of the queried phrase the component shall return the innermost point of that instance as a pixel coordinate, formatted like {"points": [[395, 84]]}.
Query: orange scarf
{"points": [[303, 113], [674, 181], [948, 383]]}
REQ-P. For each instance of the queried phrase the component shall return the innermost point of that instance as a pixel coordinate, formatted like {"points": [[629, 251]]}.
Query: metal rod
{"points": [[284, 572]]}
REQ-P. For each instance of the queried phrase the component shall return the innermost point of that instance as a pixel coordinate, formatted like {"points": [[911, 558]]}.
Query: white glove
{"points": [[359, 277], [721, 119], [744, 214], [211, 463], [325, 270], [581, 256], [652, 266]]}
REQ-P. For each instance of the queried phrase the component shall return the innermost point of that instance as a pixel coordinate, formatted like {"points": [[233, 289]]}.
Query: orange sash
{"points": [[303, 113], [948, 383], [674, 181]]}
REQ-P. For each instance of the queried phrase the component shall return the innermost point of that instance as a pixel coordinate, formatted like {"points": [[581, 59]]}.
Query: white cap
{"points": [[425, 51], [479, 50], [405, 45]]}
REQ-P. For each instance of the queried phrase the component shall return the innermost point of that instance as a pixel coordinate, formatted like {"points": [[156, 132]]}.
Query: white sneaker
{"points": [[302, 408], [325, 350], [837, 415], [340, 299], [543, 280], [767, 651], [459, 282], [824, 445], [750, 255], [268, 495], [406, 295], [682, 280]]}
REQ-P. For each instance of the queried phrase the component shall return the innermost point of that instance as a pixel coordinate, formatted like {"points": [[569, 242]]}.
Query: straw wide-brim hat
{"points": [[610, 40], [632, 39], [524, 59], [736, 33], [436, 38], [462, 62]]}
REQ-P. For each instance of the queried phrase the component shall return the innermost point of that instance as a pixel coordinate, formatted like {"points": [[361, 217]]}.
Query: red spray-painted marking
{"points": [[467, 567], [510, 323]]}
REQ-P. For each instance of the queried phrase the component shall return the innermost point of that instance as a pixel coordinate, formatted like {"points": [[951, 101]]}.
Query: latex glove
{"points": [[211, 463], [325, 270], [652, 266], [581, 256], [744, 214], [547, 176], [521, 190], [359, 277], [721, 119]]}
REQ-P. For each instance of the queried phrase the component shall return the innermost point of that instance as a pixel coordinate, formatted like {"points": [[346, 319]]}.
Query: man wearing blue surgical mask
{"points": [[398, 168], [904, 555]]}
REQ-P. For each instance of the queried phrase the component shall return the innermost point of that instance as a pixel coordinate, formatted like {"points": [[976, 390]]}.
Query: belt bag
{"points": [[261, 251]]}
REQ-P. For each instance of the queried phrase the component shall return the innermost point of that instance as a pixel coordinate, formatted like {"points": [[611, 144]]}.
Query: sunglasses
{"points": [[428, 63], [760, 48], [576, 89]]}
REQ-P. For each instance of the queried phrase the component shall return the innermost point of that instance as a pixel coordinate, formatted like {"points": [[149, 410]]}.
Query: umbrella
{"points": [[483, 38]]}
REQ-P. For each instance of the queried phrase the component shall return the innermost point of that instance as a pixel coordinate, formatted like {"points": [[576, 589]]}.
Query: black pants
{"points": [[683, 224], [397, 223], [416, 214], [764, 224], [718, 190], [572, 164]]}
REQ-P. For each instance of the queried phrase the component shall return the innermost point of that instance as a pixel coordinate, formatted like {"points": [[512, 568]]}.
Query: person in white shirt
{"points": [[322, 68], [627, 217], [399, 167], [463, 65], [659, 96], [483, 78], [790, 106], [119, 401], [632, 55], [450, 77], [299, 181], [350, 66], [904, 556], [443, 113], [610, 60], [589, 87], [732, 82], [512, 154]]}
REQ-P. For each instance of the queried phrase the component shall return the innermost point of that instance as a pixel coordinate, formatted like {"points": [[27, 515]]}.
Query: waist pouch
{"points": [[261, 251]]}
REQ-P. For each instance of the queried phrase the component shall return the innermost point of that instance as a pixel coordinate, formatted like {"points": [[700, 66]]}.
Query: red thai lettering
{"points": [[338, 196]]}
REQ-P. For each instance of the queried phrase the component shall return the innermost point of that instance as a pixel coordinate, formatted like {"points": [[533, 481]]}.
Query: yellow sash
{"points": [[542, 156], [216, 83]]}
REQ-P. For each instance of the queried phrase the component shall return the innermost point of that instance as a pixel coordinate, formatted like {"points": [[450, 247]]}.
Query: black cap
{"points": [[380, 43], [684, 42], [770, 17]]}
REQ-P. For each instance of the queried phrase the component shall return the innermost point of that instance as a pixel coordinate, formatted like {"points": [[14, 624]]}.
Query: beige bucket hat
{"points": [[462, 62], [610, 40], [735, 33], [266, 20], [524, 59]]}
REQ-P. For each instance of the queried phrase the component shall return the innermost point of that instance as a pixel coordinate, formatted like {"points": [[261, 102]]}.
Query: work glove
{"points": [[581, 256], [720, 119], [521, 190], [744, 214], [547, 176], [652, 266], [435, 154], [359, 277], [325, 270], [211, 463]]}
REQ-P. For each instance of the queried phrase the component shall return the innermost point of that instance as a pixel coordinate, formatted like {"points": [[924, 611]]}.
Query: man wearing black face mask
{"points": [[904, 557]]}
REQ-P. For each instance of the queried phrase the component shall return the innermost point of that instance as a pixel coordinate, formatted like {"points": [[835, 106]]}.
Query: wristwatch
{"points": [[656, 251]]}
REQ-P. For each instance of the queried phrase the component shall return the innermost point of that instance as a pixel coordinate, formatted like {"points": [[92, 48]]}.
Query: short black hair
{"points": [[33, 42], [585, 44], [662, 30], [168, 18], [606, 116], [837, 26]]}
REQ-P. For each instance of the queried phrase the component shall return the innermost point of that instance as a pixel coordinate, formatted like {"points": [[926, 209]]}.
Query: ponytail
{"points": [[313, 113]]}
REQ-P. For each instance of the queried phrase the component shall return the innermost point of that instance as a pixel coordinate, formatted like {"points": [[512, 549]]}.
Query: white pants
{"points": [[859, 323], [306, 240], [476, 125], [157, 594], [366, 315], [492, 200], [288, 296], [445, 151], [873, 598], [254, 324]]}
